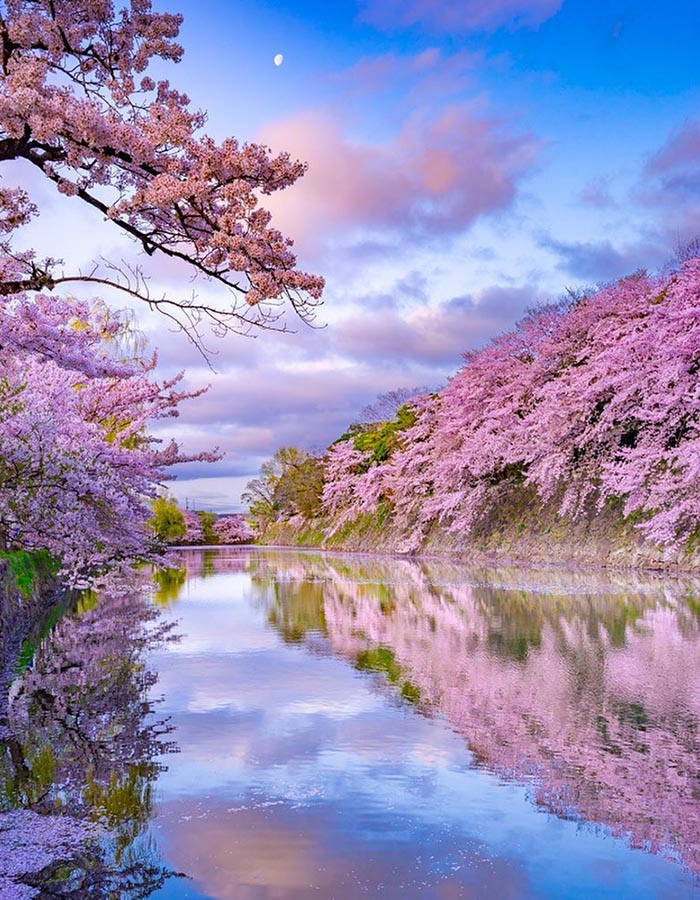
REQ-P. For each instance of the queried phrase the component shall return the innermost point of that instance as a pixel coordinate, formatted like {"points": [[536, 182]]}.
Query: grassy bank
{"points": [[29, 593]]}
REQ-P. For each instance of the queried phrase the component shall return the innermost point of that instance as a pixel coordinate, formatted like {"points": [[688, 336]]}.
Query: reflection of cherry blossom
{"points": [[585, 687], [78, 761]]}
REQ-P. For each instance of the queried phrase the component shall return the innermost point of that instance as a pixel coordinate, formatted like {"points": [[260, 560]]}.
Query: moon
{"points": [[278, 59]]}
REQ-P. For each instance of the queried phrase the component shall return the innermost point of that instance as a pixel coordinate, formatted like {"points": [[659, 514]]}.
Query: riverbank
{"points": [[29, 590], [520, 532]]}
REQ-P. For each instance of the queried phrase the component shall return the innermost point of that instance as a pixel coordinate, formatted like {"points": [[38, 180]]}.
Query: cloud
{"points": [[596, 261], [681, 152], [428, 74], [398, 340], [668, 189], [450, 16], [434, 177], [596, 193], [249, 417], [670, 179], [434, 336]]}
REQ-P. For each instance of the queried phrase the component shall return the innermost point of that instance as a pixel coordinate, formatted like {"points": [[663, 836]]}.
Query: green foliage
{"points": [[380, 439], [297, 610], [24, 787], [410, 692], [125, 803], [386, 599], [383, 512], [168, 521], [206, 520], [169, 583], [382, 659], [29, 647], [311, 537], [28, 568], [289, 484], [379, 659]]}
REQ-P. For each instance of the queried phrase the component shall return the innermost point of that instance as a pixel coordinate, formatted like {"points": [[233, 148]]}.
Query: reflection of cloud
{"points": [[284, 797], [237, 855], [457, 15], [264, 850]]}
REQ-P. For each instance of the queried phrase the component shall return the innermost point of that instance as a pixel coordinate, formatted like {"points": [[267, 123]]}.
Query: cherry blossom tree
{"points": [[232, 530], [77, 464], [78, 105], [194, 533], [587, 403]]}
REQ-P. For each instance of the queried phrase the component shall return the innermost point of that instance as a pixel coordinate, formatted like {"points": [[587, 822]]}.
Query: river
{"points": [[344, 726], [368, 726]]}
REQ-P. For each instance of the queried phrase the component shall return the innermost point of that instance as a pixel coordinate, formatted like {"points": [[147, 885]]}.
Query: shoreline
{"points": [[594, 550]]}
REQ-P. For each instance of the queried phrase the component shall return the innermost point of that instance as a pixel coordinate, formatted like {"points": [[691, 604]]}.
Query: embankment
{"points": [[29, 591], [520, 531]]}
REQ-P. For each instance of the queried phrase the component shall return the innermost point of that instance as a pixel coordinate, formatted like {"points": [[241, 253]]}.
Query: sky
{"points": [[467, 160]]}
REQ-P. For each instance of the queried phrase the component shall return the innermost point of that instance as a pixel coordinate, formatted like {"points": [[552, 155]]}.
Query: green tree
{"points": [[381, 439], [289, 484], [206, 520], [167, 522]]}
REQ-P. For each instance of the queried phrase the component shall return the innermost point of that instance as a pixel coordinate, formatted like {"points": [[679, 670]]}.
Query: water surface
{"points": [[357, 726]]}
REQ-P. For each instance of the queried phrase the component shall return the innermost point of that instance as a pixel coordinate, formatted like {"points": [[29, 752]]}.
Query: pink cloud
{"points": [[437, 175], [457, 15], [428, 74], [682, 149], [596, 193], [432, 335]]}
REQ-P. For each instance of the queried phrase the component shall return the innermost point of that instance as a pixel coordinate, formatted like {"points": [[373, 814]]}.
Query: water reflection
{"points": [[582, 687], [586, 684], [79, 758]]}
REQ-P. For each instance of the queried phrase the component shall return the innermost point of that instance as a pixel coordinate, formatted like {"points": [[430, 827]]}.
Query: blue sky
{"points": [[460, 171], [466, 160]]}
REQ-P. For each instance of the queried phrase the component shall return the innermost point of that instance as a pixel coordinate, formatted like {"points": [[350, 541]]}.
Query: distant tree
{"points": [[206, 521], [289, 484], [168, 521], [298, 490], [232, 530], [259, 494], [388, 404], [193, 533]]}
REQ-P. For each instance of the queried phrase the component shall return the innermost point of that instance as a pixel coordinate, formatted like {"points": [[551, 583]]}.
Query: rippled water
{"points": [[366, 726]]}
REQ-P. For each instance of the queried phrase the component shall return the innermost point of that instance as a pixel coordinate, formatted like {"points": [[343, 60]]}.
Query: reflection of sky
{"points": [[299, 775]]}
